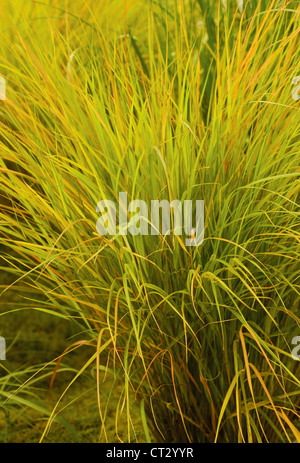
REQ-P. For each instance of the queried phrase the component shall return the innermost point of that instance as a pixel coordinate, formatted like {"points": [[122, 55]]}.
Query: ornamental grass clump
{"points": [[201, 337]]}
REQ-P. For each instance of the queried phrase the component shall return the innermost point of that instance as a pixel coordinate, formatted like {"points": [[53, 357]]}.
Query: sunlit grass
{"points": [[162, 108]]}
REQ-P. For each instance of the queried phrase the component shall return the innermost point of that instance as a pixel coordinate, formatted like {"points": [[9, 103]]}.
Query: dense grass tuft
{"points": [[189, 101]]}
